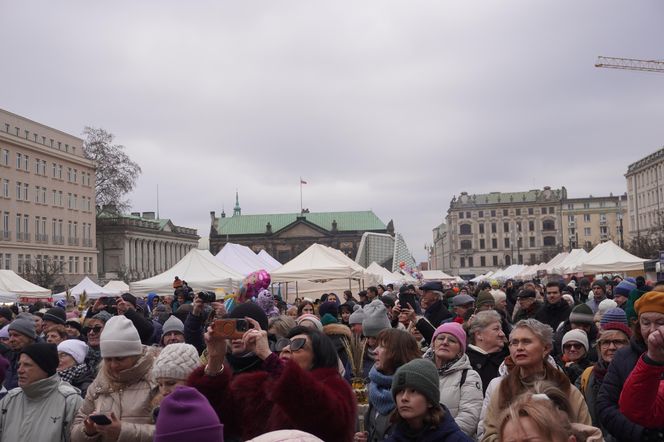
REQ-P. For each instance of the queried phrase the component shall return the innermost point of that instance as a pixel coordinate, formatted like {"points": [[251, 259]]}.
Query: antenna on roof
{"points": [[157, 200]]}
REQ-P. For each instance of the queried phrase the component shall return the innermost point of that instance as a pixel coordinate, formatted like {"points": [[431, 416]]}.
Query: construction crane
{"points": [[630, 64]]}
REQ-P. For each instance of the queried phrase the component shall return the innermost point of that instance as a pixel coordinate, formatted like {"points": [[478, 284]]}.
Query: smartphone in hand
{"points": [[100, 419]]}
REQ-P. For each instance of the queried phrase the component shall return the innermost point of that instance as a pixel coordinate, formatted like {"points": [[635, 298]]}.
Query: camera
{"points": [[230, 328], [207, 296]]}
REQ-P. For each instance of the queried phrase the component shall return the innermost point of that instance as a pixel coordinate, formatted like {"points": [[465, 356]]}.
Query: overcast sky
{"points": [[381, 105]]}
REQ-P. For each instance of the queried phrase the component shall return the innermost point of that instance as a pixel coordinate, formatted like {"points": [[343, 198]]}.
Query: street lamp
{"points": [[620, 230]]}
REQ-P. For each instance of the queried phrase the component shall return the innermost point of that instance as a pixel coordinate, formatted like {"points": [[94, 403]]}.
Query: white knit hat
{"points": [[75, 348], [119, 338], [576, 335], [605, 306], [176, 361]]}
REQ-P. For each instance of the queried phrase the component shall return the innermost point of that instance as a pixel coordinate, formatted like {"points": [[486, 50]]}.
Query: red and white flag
{"points": [[302, 181]]}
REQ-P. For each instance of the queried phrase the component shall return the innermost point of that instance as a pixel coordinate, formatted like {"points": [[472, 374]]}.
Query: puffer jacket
{"points": [[616, 423], [642, 397], [42, 411], [464, 401], [128, 394]]}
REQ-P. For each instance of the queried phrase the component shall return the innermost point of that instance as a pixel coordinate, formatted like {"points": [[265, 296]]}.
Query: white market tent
{"points": [[508, 273], [7, 298], [560, 257], [483, 277], [436, 275], [10, 282], [199, 268], [117, 286], [529, 272], [91, 289], [270, 262], [571, 264], [609, 257], [384, 275], [241, 259]]}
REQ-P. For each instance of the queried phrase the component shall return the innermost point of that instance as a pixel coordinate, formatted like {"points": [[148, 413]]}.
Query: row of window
{"points": [[23, 163], [506, 212], [586, 218], [467, 244], [41, 231], [40, 196], [39, 138], [470, 261], [55, 264], [467, 229], [586, 205], [587, 231]]}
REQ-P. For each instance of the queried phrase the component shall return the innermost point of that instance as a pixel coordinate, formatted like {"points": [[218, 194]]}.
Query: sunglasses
{"points": [[96, 329], [295, 344], [572, 345]]}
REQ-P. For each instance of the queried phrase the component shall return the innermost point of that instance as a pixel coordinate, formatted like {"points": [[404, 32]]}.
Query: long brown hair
{"points": [[400, 347], [434, 416]]}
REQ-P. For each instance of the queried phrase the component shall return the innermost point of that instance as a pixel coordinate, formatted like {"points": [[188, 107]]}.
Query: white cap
{"points": [[119, 338], [75, 348]]}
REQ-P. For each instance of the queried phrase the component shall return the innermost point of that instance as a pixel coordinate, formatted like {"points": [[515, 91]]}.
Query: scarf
{"points": [[431, 355], [600, 369], [75, 373], [131, 375], [380, 393]]}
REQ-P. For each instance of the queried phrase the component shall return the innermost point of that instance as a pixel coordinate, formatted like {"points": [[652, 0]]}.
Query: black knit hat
{"points": [[44, 355], [6, 313], [252, 311], [56, 315]]}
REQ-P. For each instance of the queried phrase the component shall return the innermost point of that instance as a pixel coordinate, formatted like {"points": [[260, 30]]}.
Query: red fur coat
{"points": [[281, 396]]}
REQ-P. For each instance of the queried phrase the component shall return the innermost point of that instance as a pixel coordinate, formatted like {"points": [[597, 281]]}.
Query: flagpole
{"points": [[300, 195]]}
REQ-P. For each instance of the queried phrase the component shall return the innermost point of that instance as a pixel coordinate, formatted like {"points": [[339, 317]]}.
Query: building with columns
{"points": [[645, 194], [47, 203], [138, 246]]}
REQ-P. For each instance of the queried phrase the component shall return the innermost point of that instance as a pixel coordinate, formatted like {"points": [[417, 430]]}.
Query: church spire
{"points": [[237, 210]]}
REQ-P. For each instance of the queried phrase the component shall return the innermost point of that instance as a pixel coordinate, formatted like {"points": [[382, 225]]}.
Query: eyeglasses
{"points": [[572, 345], [295, 344], [95, 329], [615, 342]]}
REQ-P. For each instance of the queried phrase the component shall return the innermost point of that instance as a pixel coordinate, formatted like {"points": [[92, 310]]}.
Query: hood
{"points": [[151, 296], [338, 330]]}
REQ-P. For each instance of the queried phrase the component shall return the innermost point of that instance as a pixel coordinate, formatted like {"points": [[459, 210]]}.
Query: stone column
{"points": [[127, 254]]}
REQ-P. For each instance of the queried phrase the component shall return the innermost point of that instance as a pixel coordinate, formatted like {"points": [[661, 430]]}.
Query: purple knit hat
{"points": [[185, 414], [455, 329]]}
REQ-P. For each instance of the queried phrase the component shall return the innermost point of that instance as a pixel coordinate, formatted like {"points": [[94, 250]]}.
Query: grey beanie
{"points": [[103, 316], [25, 327], [420, 375], [376, 318], [357, 316], [173, 324]]}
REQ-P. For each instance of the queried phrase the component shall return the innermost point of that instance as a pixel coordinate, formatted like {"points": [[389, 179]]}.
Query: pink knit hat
{"points": [[455, 329]]}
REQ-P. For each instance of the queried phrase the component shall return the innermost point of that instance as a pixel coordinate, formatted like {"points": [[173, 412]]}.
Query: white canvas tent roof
{"points": [[483, 277], [272, 264], [436, 275], [118, 286], [10, 282], [509, 272], [386, 277], [560, 257], [240, 258], [318, 263], [199, 268], [609, 257], [91, 289], [572, 263]]}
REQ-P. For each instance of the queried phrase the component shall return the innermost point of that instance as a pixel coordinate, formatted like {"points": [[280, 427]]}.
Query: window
{"points": [[570, 206], [508, 260], [5, 158], [494, 243], [571, 218], [586, 217], [462, 262], [483, 261], [505, 212], [19, 191], [518, 226], [552, 210], [586, 205], [19, 161], [461, 215], [493, 213], [25, 192], [5, 188], [465, 229], [5, 227], [587, 231], [518, 212], [533, 259], [507, 242], [495, 260], [543, 210], [531, 226], [466, 244], [480, 214], [468, 215], [470, 261], [548, 224], [26, 163], [506, 227], [482, 243], [493, 227], [482, 228], [549, 241], [602, 217], [530, 211], [532, 241]]}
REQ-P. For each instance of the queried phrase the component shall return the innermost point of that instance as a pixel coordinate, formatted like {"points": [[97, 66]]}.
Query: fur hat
{"points": [[453, 328], [176, 361], [582, 314], [650, 302], [576, 335], [376, 318], [56, 315], [309, 317], [25, 327], [75, 348], [45, 356], [420, 375], [186, 414], [120, 338], [358, 315]]}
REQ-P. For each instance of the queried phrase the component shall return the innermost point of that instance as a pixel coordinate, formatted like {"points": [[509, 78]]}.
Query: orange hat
{"points": [[650, 302]]}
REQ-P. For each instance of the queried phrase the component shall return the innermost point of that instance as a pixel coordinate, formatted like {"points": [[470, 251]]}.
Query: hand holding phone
{"points": [[230, 328], [100, 419]]}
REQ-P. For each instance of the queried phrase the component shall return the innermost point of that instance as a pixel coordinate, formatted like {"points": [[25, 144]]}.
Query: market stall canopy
{"points": [[385, 275], [272, 263], [560, 257], [436, 275], [8, 298], [509, 272], [199, 268], [609, 257], [571, 264], [483, 277], [241, 259], [91, 289], [10, 282], [117, 286], [318, 263]]}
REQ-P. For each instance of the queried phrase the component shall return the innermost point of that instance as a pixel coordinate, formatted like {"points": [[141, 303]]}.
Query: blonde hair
{"points": [[542, 411]]}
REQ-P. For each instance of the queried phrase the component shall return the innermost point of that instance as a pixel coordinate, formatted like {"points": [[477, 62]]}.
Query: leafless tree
{"points": [[116, 172], [649, 244], [44, 272]]}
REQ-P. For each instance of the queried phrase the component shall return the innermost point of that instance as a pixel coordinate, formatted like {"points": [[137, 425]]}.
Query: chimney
{"points": [[212, 216]]}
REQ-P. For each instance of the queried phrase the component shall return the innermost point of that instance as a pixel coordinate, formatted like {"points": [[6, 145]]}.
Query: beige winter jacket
{"points": [[128, 394]]}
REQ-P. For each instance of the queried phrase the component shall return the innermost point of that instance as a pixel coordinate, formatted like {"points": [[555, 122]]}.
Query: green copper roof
{"points": [[256, 224]]}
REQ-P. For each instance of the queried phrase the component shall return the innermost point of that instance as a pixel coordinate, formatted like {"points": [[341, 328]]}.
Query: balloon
{"points": [[255, 282]]}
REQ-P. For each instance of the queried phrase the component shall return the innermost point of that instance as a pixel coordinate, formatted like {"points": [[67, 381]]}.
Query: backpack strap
{"points": [[464, 374], [585, 378]]}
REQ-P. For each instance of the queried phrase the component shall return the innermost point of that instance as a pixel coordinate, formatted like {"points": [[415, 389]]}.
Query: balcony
{"points": [[41, 237], [23, 236], [603, 222], [72, 241], [5, 235], [87, 242], [58, 240]]}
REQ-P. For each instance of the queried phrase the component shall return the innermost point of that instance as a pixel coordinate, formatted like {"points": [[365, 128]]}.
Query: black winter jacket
{"points": [[554, 314]]}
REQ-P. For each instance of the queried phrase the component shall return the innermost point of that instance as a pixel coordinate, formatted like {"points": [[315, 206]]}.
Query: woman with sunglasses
{"points": [[299, 388], [574, 358], [460, 386], [94, 327]]}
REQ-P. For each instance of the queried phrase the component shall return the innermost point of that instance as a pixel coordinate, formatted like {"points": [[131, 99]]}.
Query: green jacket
{"points": [[634, 295]]}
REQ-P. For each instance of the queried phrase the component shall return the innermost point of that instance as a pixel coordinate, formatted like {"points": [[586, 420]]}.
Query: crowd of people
{"points": [[565, 360]]}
